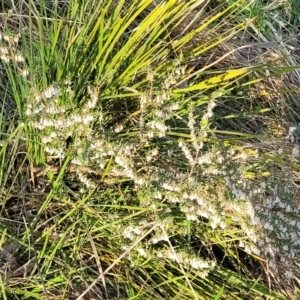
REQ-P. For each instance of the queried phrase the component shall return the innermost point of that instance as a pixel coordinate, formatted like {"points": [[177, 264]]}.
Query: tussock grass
{"points": [[149, 150]]}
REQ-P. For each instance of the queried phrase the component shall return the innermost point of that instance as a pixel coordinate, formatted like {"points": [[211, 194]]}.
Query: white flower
{"points": [[46, 139], [171, 187], [211, 105], [69, 90], [76, 118], [87, 119], [19, 58], [150, 134], [128, 233], [190, 216], [161, 126], [88, 183], [28, 111], [142, 252], [160, 114], [205, 159], [172, 255], [53, 134], [55, 110], [139, 181], [173, 106], [6, 38], [119, 128], [291, 136], [263, 185], [93, 92], [158, 195], [292, 129], [157, 125], [159, 237], [24, 73], [38, 97], [137, 230], [15, 38], [51, 91], [59, 124], [37, 109], [46, 122], [3, 50], [53, 151], [151, 154], [198, 264], [186, 152], [76, 161], [255, 251], [5, 58], [144, 101]]}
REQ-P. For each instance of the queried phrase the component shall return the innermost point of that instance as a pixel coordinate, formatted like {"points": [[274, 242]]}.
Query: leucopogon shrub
{"points": [[163, 145], [198, 176]]}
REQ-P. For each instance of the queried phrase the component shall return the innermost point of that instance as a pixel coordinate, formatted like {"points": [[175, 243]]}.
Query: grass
{"points": [[149, 150]]}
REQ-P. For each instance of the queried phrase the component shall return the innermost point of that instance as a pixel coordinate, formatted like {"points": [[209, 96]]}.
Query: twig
{"points": [[97, 261]]}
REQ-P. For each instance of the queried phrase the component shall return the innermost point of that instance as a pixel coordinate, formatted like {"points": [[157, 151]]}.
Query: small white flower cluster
{"points": [[9, 52], [51, 92], [159, 236], [38, 107], [171, 186], [292, 133], [142, 252], [187, 260], [50, 117], [90, 184], [152, 154], [170, 80], [126, 164], [192, 199], [208, 115], [185, 149], [132, 232], [207, 158], [269, 205], [162, 110], [175, 77], [157, 128], [198, 136], [92, 101], [119, 128]]}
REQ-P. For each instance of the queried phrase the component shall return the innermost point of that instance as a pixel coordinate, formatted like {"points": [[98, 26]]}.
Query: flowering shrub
{"points": [[134, 121]]}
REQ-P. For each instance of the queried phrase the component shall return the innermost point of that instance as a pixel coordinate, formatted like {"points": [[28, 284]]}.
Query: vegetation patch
{"points": [[149, 150]]}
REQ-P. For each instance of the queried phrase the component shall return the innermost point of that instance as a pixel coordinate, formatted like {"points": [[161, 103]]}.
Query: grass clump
{"points": [[126, 177]]}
